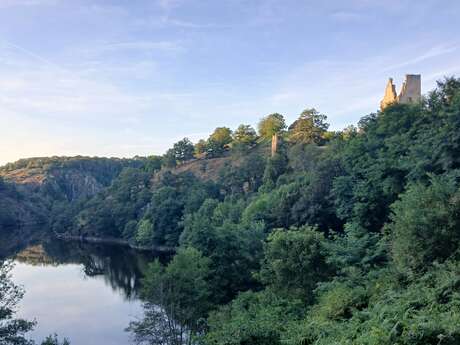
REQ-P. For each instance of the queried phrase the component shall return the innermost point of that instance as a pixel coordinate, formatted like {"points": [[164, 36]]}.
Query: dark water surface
{"points": [[85, 292]]}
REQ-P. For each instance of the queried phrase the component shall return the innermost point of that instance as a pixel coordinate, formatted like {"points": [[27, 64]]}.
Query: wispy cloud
{"points": [[356, 87], [168, 5], [432, 52], [169, 21], [122, 79], [13, 3], [348, 16], [145, 46]]}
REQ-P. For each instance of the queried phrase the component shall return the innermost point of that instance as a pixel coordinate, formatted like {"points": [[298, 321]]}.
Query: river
{"points": [[88, 293]]}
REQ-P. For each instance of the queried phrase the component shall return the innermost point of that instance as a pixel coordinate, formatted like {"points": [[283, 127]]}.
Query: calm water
{"points": [[88, 293]]}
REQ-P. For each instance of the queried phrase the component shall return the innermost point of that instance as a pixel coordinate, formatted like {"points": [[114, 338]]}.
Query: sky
{"points": [[123, 78]]}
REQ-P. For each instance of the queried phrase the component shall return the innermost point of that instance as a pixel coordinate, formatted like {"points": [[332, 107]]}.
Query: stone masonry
{"points": [[411, 91]]}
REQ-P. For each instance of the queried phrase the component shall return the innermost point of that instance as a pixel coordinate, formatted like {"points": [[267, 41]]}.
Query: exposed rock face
{"points": [[29, 188], [411, 91], [71, 184], [64, 178]]}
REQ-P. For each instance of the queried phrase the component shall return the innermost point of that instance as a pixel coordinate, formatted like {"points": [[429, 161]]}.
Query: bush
{"points": [[295, 262], [425, 224]]}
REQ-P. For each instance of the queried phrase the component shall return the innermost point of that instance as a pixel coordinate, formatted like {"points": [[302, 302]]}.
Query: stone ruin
{"points": [[411, 91]]}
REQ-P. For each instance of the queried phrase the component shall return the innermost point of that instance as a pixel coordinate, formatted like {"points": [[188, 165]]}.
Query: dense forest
{"points": [[348, 237]]}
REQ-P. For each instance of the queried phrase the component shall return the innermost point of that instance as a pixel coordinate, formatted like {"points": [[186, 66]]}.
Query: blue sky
{"points": [[120, 78]]}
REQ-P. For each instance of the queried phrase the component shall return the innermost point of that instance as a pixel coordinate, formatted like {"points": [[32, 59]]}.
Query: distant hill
{"points": [[30, 187], [65, 178]]}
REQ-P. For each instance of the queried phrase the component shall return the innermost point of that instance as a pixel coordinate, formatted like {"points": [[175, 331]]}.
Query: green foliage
{"points": [[200, 147], [252, 318], [357, 250], [183, 150], [244, 178], [163, 215], [214, 149], [216, 144], [244, 138], [245, 134], [221, 136], [153, 164], [234, 248], [346, 238], [425, 223], [8, 218], [309, 128], [169, 159], [270, 125], [12, 330], [175, 196], [295, 262], [275, 167], [178, 300], [109, 212], [384, 311], [144, 233], [182, 284], [53, 340]]}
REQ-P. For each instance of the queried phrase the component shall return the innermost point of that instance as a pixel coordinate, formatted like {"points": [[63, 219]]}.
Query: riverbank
{"points": [[116, 241]]}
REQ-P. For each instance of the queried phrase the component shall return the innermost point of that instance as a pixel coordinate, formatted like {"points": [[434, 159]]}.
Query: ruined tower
{"points": [[390, 95], [411, 91]]}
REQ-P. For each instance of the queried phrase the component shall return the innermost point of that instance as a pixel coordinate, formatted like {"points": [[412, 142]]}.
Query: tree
{"points": [[251, 318], [12, 331], [245, 135], [270, 127], [53, 340], [295, 261], [275, 167], [169, 159], [218, 142], [214, 149], [163, 216], [108, 213], [178, 300], [309, 128], [425, 224], [200, 147], [144, 233], [233, 248], [153, 163], [222, 136], [183, 150]]}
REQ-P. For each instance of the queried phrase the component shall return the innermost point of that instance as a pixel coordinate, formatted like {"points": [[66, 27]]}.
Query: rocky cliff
{"points": [[30, 187]]}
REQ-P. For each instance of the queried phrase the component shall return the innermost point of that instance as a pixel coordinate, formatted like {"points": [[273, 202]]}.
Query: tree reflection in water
{"points": [[122, 268]]}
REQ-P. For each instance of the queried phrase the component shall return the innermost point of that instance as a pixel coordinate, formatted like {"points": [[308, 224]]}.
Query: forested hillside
{"points": [[31, 188], [347, 237], [340, 238]]}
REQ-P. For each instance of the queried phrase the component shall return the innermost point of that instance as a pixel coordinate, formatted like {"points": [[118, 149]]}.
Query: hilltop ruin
{"points": [[411, 91]]}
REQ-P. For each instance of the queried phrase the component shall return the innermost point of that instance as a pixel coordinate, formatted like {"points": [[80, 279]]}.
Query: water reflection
{"points": [[121, 267], [86, 292]]}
